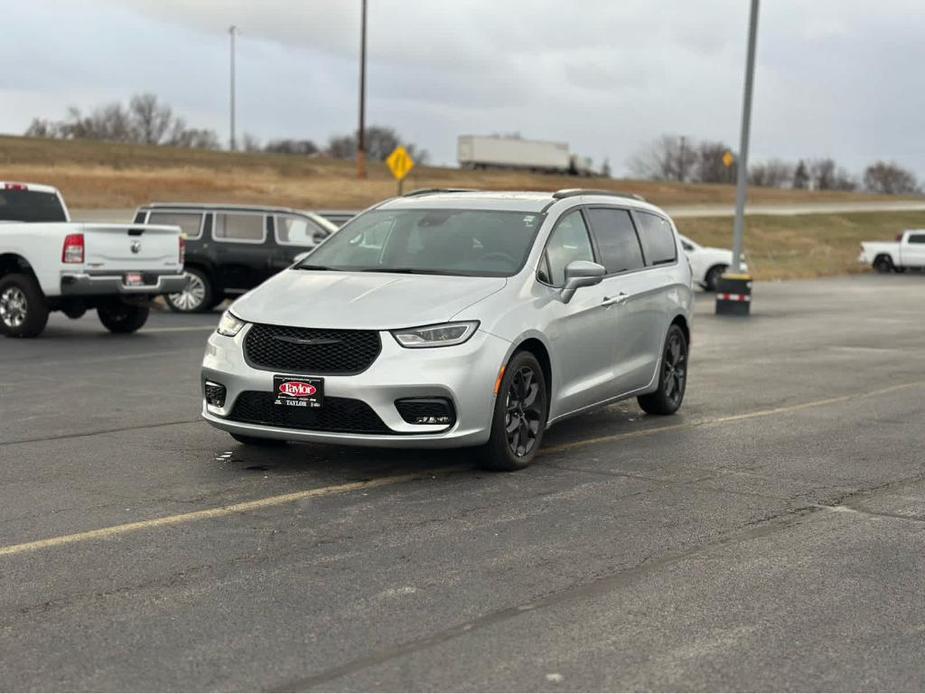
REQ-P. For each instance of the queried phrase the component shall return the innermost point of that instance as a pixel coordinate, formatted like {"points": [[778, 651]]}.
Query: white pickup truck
{"points": [[907, 251], [48, 263]]}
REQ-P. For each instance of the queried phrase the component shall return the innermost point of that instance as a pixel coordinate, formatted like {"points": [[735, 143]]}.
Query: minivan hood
{"points": [[361, 300]]}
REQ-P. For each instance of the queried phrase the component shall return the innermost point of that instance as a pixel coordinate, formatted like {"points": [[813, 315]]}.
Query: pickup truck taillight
{"points": [[899, 238], [73, 249], [182, 250]]}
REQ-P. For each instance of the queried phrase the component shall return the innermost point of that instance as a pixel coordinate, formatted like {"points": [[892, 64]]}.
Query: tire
{"points": [[23, 308], [196, 297], [121, 318], [672, 376], [883, 264], [522, 402], [257, 441], [711, 279]]}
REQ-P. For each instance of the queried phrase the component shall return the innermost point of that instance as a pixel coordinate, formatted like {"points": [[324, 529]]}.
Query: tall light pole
{"points": [[232, 30], [742, 170], [361, 133]]}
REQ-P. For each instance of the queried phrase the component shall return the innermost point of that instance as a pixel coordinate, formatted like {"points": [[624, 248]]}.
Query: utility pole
{"points": [[682, 163], [361, 133], [742, 164], [232, 30]]}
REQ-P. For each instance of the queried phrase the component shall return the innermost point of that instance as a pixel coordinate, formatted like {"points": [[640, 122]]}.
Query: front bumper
{"points": [[465, 374], [86, 284]]}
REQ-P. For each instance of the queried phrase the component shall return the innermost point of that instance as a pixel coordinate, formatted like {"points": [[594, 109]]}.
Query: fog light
{"points": [[427, 411], [215, 393]]}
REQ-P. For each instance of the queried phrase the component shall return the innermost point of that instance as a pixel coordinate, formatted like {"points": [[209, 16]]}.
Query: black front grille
{"points": [[343, 415], [310, 350]]}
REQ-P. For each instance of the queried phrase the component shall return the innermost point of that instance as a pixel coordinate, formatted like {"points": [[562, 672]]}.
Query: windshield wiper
{"points": [[311, 267]]}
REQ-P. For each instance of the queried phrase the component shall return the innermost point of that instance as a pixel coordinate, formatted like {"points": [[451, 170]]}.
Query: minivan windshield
{"points": [[486, 243], [18, 205]]}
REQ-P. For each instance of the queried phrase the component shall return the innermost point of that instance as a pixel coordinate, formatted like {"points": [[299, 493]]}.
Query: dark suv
{"points": [[233, 248]]}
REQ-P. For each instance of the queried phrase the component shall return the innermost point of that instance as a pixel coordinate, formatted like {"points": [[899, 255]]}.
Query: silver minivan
{"points": [[459, 318]]}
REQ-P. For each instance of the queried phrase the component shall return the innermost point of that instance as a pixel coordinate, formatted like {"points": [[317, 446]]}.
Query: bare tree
{"points": [[822, 174], [889, 178], [380, 143], [669, 158], [342, 147], [801, 176], [251, 143], [150, 119], [844, 180], [304, 147], [710, 167], [773, 173]]}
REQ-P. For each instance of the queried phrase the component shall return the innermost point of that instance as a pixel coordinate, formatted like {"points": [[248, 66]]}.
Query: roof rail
{"points": [[428, 191], [573, 192]]}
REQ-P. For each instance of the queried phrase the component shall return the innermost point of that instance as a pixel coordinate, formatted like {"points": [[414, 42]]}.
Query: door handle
{"points": [[618, 299]]}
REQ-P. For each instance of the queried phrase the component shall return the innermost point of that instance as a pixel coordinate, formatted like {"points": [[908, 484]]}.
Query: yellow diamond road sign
{"points": [[400, 163], [728, 159]]}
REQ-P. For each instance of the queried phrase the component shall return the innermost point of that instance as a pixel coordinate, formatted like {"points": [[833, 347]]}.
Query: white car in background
{"points": [[707, 264], [907, 251]]}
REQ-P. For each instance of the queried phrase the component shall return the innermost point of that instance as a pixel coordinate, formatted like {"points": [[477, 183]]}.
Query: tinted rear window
{"points": [[616, 239], [30, 206], [657, 239], [189, 222]]}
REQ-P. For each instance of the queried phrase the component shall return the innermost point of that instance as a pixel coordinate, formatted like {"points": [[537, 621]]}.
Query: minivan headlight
{"points": [[442, 335], [230, 325]]}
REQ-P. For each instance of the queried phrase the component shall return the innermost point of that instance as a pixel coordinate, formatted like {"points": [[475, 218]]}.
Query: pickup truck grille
{"points": [[310, 350], [342, 415]]}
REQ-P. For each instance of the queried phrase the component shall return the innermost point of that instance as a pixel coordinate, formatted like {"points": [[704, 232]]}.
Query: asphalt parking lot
{"points": [[771, 536]]}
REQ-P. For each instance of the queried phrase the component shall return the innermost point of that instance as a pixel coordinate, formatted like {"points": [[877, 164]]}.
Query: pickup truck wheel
{"points": [[883, 264], [197, 295], [711, 281], [119, 317], [23, 309]]}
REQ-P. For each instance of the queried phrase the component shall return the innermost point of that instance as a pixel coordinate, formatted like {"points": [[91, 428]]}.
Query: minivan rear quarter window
{"points": [[616, 239], [657, 239]]}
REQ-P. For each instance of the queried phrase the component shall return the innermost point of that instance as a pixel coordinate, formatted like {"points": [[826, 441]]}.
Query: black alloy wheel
{"points": [[672, 376], [521, 410]]}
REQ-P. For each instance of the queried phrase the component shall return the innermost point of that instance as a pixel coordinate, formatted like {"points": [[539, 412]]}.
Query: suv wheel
{"points": [[23, 309], [672, 378], [196, 296], [119, 317], [520, 413]]}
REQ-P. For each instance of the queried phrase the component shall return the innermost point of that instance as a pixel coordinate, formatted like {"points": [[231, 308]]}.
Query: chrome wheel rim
{"points": [[193, 294], [13, 307], [523, 412], [674, 366]]}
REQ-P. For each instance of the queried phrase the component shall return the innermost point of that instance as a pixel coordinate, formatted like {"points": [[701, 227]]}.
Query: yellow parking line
{"points": [[221, 511], [267, 502]]}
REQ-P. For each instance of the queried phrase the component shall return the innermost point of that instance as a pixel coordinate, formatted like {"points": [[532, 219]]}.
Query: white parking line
{"points": [[244, 507]]}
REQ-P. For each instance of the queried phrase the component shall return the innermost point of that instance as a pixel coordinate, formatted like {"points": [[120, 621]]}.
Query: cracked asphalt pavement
{"points": [[771, 536]]}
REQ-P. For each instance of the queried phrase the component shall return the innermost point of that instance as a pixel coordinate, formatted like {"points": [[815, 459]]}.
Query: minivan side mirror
{"points": [[580, 273]]}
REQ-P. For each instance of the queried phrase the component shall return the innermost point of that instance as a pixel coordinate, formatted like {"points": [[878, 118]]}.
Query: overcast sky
{"points": [[840, 78]]}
